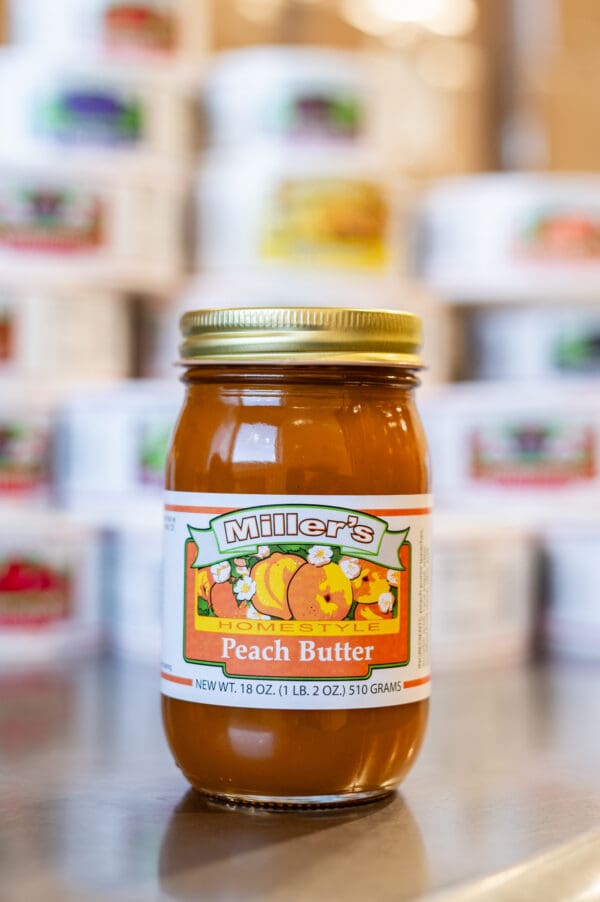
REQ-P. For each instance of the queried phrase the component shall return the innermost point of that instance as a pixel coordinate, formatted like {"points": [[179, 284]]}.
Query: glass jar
{"points": [[295, 665]]}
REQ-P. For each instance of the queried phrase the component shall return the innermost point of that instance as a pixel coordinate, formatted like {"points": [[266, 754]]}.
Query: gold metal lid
{"points": [[301, 335]]}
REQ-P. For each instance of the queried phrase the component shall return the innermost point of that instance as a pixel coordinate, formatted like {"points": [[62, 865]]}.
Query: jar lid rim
{"points": [[296, 335]]}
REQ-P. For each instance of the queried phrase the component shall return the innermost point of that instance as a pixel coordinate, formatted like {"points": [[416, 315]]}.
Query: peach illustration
{"points": [[371, 612], [319, 593], [224, 603], [370, 584], [272, 576]]}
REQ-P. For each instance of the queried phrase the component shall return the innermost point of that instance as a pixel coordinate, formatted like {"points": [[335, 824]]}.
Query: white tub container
{"points": [[297, 209], [483, 592], [513, 237], [514, 446], [292, 96], [132, 584], [86, 112], [154, 29], [314, 96], [71, 334], [535, 342], [113, 444], [572, 558], [65, 224], [49, 588]]}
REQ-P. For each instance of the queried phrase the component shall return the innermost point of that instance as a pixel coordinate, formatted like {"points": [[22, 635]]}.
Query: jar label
{"points": [[42, 217], [297, 601], [534, 452], [139, 26], [88, 115], [324, 112], [327, 222]]}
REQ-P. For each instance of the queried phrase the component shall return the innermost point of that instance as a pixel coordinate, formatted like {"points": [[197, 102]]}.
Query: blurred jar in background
{"points": [[28, 412], [291, 97], [86, 112], [133, 584], [515, 446], [68, 225], [513, 237], [316, 210], [112, 446], [82, 334], [544, 342], [484, 591]]}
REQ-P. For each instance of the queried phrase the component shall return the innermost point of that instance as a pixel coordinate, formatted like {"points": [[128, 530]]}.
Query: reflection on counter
{"points": [[36, 707], [201, 838]]}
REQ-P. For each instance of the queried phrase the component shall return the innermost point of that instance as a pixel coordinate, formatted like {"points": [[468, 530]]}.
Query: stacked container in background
{"points": [[96, 114], [298, 195], [518, 258], [300, 198]]}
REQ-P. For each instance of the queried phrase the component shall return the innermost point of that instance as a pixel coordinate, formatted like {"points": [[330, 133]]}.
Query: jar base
{"points": [[312, 802]]}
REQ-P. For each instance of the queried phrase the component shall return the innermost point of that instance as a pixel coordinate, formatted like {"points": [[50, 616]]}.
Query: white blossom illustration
{"points": [[221, 572], [244, 588], [350, 566], [386, 602], [392, 577], [253, 614], [319, 555]]}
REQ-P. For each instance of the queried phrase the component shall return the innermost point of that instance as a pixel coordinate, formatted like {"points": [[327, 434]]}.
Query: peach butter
{"points": [[295, 670]]}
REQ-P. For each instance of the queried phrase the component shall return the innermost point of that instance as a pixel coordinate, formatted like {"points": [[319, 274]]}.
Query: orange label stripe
{"points": [[387, 512], [404, 512], [420, 682], [183, 681], [183, 509]]}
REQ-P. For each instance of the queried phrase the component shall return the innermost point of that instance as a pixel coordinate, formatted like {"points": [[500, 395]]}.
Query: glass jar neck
{"points": [[290, 374]]}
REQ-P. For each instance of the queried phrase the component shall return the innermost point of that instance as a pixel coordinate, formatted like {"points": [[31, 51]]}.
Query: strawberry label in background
{"points": [[139, 26], [296, 602], [33, 593], [561, 235]]}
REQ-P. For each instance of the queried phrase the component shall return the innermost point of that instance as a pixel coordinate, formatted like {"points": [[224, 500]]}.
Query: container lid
{"points": [[302, 335], [288, 63]]}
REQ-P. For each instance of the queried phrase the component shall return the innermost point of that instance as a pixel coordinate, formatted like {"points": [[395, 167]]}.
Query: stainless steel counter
{"points": [[91, 806]]}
